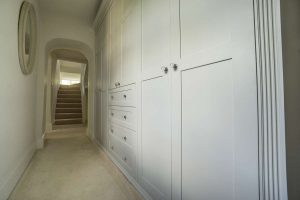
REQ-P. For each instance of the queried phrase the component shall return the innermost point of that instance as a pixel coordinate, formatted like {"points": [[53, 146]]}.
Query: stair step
{"points": [[70, 86], [68, 110], [69, 92], [68, 115], [68, 100], [68, 121], [68, 96], [68, 105]]}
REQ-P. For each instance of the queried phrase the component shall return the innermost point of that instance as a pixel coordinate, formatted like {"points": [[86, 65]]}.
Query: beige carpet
{"points": [[70, 167]]}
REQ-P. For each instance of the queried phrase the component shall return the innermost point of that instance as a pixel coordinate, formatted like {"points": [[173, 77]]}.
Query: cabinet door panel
{"points": [[208, 133], [204, 25], [219, 139], [155, 36], [131, 46], [104, 128], [156, 138], [115, 58]]}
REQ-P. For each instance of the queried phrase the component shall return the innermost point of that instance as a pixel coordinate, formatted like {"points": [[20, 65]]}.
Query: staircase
{"points": [[68, 106]]}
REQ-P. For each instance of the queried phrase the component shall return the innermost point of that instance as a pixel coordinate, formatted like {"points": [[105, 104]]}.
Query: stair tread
{"points": [[69, 119]]}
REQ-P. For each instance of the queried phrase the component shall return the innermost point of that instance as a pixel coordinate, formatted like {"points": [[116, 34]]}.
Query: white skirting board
{"points": [[11, 179], [137, 186]]}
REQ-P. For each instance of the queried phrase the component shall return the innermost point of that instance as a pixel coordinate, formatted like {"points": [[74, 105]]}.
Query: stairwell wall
{"points": [[17, 102]]}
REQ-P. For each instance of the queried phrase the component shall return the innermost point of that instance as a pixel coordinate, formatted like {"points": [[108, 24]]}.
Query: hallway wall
{"points": [[17, 102], [291, 59], [53, 26]]}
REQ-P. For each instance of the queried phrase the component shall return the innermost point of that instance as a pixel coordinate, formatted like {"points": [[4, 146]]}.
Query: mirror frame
{"points": [[27, 14]]}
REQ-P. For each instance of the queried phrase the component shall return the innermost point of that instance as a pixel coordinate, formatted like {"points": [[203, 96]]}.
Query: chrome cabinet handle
{"points": [[174, 66], [165, 69]]}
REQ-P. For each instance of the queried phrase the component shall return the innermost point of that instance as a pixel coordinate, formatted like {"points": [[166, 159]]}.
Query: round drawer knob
{"points": [[125, 138], [124, 96], [125, 117]]}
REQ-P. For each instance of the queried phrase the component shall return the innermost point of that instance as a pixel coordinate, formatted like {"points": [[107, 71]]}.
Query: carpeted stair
{"points": [[68, 106]]}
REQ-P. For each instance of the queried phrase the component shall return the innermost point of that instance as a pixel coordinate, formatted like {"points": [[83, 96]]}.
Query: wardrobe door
{"points": [[215, 131], [155, 171], [104, 121], [115, 44], [155, 37], [131, 43]]}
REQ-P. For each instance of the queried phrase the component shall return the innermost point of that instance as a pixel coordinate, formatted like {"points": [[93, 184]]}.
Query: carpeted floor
{"points": [[70, 167]]}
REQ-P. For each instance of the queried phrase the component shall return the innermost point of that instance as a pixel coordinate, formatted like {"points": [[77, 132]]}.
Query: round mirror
{"points": [[27, 37]]}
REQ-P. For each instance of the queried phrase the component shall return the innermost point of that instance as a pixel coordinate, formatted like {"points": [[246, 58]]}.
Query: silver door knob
{"points": [[165, 69], [174, 66]]}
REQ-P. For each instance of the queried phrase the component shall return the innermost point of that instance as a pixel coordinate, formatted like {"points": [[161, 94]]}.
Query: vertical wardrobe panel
{"points": [[115, 58], [155, 172], [131, 44], [155, 37], [104, 132], [215, 90], [208, 139], [115, 43]]}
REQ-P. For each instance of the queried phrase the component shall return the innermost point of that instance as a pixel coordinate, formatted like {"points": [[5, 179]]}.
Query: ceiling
{"points": [[84, 9], [70, 67], [70, 55]]}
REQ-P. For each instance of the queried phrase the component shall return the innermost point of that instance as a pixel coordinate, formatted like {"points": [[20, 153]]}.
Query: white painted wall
{"points": [[291, 58], [53, 26], [17, 102]]}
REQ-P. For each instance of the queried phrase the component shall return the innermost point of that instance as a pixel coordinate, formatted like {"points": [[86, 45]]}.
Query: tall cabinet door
{"points": [[215, 137], [155, 158], [115, 66], [155, 37], [155, 172], [131, 41]]}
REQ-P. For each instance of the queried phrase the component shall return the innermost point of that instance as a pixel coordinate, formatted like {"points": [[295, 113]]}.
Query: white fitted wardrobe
{"points": [[178, 97]]}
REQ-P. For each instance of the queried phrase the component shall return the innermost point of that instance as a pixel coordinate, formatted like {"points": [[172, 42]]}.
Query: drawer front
{"points": [[123, 97], [123, 154], [123, 116], [125, 135]]}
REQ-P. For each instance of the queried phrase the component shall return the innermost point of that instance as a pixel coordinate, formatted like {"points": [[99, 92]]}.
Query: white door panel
{"points": [[131, 46], [115, 58], [156, 138], [208, 137], [155, 37]]}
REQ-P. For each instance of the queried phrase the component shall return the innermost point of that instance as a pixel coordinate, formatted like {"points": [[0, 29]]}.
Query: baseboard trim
{"points": [[136, 185], [11, 180]]}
